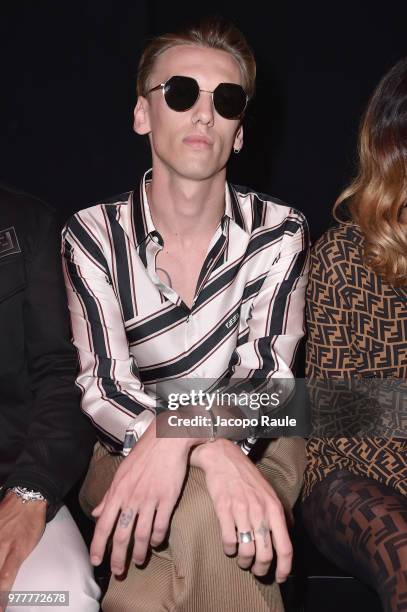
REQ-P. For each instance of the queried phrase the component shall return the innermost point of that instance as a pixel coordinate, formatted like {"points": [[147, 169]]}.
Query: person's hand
{"points": [[245, 502], [21, 528], [144, 491]]}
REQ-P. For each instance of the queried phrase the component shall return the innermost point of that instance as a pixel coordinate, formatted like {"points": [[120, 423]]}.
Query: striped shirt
{"points": [[134, 333]]}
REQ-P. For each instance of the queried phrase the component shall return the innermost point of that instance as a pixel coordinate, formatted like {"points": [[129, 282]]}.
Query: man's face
{"points": [[196, 143]]}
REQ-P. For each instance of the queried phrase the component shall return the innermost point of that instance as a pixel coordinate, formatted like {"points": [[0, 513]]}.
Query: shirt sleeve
{"points": [[113, 396], [267, 350]]}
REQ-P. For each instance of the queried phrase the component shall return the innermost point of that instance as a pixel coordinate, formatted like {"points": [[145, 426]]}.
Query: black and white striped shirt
{"points": [[133, 332]]}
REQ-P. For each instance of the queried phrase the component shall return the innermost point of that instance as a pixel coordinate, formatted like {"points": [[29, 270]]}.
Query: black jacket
{"points": [[45, 440]]}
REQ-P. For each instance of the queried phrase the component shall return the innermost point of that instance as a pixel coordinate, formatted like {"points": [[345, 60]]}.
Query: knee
{"points": [[195, 502], [391, 556], [283, 465], [391, 575], [75, 575], [84, 593], [85, 603]]}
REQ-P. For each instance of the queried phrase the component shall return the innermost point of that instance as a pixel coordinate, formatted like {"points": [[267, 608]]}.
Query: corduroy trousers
{"points": [[190, 572]]}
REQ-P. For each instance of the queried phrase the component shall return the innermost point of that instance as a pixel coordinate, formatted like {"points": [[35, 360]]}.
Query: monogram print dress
{"points": [[357, 331]]}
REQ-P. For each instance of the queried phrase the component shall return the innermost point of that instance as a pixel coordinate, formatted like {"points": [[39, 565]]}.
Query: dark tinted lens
{"points": [[229, 100], [181, 92]]}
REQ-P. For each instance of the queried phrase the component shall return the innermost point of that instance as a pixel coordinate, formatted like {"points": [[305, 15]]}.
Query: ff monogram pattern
{"points": [[8, 242], [356, 484], [361, 525], [357, 326]]}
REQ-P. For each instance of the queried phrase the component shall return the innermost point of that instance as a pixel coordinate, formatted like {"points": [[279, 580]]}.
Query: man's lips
{"points": [[197, 141]]}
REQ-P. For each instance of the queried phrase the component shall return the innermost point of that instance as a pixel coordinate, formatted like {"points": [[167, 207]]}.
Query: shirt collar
{"points": [[143, 222], [233, 208]]}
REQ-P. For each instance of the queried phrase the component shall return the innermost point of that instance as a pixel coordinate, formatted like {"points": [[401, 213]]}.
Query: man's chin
{"points": [[199, 171]]}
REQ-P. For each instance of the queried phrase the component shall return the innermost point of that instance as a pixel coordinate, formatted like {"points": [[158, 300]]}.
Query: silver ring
{"points": [[246, 537]]}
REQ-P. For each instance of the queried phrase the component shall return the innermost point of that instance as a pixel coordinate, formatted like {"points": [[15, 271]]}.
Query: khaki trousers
{"points": [[190, 572]]}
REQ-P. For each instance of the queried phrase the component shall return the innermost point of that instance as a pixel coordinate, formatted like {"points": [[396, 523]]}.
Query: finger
{"points": [[161, 523], [9, 571], [246, 549], [228, 529], [121, 539], [96, 512], [142, 534], [4, 552], [103, 530], [264, 548], [281, 541]]}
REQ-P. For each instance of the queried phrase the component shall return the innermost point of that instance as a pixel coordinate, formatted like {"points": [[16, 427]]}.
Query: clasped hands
{"points": [[147, 485]]}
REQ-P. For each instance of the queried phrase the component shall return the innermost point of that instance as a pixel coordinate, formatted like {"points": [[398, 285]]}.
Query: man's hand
{"points": [[21, 528], [144, 491], [245, 502]]}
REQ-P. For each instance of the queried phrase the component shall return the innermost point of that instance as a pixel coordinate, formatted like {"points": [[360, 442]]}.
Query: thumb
{"points": [[8, 573]]}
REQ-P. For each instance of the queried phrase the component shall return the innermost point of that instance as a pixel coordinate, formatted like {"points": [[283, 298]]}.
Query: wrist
{"points": [[37, 509], [27, 496], [189, 427], [207, 454]]}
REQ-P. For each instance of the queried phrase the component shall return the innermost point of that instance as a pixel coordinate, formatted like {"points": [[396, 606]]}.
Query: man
{"points": [[187, 277], [45, 442]]}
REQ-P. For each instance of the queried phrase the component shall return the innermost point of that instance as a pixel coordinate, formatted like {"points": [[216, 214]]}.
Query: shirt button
{"points": [[155, 238]]}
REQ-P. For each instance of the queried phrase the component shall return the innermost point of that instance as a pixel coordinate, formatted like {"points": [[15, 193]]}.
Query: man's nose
{"points": [[203, 110]]}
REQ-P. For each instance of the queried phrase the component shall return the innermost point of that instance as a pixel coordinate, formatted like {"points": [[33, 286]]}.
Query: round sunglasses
{"points": [[181, 93]]}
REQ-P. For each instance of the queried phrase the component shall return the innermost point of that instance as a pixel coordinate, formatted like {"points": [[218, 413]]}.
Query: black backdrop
{"points": [[68, 88]]}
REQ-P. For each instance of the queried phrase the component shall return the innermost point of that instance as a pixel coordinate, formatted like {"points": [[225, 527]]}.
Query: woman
{"points": [[355, 494]]}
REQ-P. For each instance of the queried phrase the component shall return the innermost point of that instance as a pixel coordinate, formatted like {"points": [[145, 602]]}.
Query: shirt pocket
{"points": [[12, 276]]}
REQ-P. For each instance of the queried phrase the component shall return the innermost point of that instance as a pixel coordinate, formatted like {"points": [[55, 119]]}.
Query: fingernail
{"points": [[139, 560], [95, 560], [117, 571]]}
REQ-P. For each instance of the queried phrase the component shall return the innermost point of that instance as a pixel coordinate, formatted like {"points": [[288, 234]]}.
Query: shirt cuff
{"points": [[135, 430]]}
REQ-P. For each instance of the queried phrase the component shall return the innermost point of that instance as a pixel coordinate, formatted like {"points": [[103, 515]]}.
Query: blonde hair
{"points": [[212, 32], [379, 191]]}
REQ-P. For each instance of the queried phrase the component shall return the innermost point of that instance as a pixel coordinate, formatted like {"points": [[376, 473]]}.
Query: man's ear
{"points": [[238, 143], [141, 123]]}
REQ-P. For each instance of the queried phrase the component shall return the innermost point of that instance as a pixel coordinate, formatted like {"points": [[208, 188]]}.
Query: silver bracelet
{"points": [[27, 495]]}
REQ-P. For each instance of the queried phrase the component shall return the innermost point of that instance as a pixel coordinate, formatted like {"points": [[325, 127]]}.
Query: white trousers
{"points": [[60, 562]]}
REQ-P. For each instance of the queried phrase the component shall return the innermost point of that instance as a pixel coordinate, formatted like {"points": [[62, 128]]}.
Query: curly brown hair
{"points": [[379, 192]]}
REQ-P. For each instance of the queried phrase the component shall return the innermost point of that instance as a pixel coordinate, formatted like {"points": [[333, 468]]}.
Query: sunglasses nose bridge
{"points": [[208, 91], [202, 109]]}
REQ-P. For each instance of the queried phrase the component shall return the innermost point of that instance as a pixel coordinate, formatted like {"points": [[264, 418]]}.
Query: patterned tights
{"points": [[361, 526]]}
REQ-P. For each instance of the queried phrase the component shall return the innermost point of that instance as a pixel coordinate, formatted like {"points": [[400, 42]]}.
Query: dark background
{"points": [[68, 89]]}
